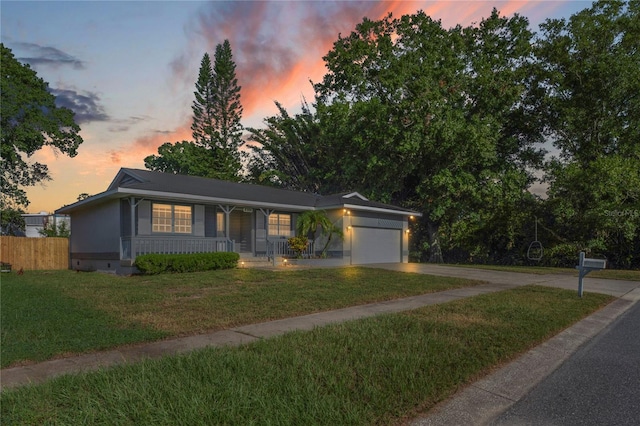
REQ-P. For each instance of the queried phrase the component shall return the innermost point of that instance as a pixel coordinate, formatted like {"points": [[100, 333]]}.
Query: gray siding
{"points": [[210, 228], [198, 220], [96, 230], [144, 217], [125, 218]]}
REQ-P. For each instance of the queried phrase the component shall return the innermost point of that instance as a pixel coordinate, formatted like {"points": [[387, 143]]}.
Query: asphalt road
{"points": [[598, 385]]}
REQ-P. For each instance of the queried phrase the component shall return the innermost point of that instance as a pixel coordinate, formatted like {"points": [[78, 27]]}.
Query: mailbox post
{"points": [[586, 265]]}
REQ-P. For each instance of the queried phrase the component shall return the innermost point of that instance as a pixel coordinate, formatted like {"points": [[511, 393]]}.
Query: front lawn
{"points": [[54, 313], [381, 370]]}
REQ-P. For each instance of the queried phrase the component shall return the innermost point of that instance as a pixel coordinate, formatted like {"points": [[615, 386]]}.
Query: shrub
{"points": [[298, 245], [564, 255], [151, 264]]}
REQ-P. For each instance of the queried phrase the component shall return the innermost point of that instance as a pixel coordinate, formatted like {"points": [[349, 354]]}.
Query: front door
{"points": [[240, 230]]}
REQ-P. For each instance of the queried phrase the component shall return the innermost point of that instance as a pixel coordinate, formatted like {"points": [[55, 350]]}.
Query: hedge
{"points": [[151, 264]]}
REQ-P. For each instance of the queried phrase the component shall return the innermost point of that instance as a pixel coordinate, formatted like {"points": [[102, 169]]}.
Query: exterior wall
{"points": [[95, 238], [348, 219], [337, 248], [143, 219], [96, 234], [365, 219]]}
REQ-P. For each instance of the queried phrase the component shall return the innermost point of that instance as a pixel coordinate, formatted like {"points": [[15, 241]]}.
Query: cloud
{"points": [[85, 105], [278, 46], [124, 125], [133, 154], [48, 56]]}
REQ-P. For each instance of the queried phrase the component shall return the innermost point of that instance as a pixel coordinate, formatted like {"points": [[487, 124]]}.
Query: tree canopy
{"points": [[415, 114], [588, 66], [454, 123], [216, 128], [217, 112], [186, 158], [30, 120]]}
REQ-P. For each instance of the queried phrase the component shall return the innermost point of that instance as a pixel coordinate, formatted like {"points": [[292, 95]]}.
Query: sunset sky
{"points": [[128, 69]]}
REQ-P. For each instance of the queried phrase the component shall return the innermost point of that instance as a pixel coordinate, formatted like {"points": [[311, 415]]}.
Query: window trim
{"points": [[280, 225], [172, 219]]}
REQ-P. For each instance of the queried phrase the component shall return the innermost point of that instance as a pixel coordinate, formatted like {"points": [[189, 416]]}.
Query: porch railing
{"points": [[130, 248], [280, 247]]}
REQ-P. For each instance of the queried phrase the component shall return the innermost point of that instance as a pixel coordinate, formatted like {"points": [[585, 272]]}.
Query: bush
{"points": [[298, 245], [564, 255], [151, 264]]}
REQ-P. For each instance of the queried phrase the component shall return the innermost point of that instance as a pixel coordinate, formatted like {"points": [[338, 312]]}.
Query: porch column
{"points": [[267, 213], [132, 204], [227, 212]]}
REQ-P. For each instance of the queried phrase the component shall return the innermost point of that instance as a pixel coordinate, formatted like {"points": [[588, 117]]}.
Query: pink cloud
{"points": [[278, 46]]}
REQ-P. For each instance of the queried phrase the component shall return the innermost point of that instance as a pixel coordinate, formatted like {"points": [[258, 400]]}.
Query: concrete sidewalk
{"points": [[477, 404], [37, 373]]}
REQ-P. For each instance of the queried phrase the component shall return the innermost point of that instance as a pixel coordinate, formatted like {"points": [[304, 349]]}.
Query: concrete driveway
{"points": [[617, 288]]}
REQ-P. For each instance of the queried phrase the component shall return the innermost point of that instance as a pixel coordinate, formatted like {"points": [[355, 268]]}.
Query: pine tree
{"points": [[217, 112], [227, 110], [203, 119]]}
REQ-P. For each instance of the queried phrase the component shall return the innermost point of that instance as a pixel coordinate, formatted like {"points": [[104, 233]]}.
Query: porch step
{"points": [[257, 262]]}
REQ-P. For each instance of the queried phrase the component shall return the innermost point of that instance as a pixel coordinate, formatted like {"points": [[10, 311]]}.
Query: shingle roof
{"points": [[205, 187], [171, 186]]}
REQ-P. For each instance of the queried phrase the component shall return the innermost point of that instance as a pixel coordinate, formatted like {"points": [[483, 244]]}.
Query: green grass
{"points": [[39, 322], [54, 313], [381, 370], [611, 274]]}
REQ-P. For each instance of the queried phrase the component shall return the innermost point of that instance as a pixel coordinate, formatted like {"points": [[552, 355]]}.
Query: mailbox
{"points": [[586, 265], [593, 263]]}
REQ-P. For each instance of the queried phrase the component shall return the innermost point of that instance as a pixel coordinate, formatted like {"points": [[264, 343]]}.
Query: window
{"points": [[221, 228], [280, 224], [170, 218]]}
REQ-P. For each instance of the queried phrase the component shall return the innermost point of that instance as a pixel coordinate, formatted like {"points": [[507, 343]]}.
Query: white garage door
{"points": [[375, 245]]}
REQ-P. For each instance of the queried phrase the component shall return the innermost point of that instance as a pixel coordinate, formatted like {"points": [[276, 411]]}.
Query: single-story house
{"points": [[145, 211]]}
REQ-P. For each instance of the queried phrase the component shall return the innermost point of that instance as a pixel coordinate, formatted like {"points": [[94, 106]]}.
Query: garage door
{"points": [[375, 245]]}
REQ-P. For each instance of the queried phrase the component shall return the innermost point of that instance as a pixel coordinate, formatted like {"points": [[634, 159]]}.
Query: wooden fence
{"points": [[35, 253]]}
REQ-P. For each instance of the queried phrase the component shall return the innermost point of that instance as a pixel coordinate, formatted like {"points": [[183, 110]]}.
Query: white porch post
{"points": [[132, 204], [267, 213], [227, 213]]}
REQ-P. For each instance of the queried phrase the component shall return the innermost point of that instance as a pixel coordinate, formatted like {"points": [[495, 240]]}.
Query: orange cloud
{"points": [[278, 46]]}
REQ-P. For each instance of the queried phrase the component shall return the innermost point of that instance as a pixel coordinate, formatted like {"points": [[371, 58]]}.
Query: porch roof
{"points": [[181, 188]]}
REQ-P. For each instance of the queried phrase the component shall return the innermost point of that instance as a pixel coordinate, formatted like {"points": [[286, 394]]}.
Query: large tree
{"points": [[203, 118], [185, 158], [217, 112], [434, 119], [30, 120], [286, 152], [216, 128], [588, 66]]}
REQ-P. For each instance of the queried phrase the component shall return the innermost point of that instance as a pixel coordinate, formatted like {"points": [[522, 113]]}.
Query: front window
{"points": [[171, 218], [221, 228], [280, 224]]}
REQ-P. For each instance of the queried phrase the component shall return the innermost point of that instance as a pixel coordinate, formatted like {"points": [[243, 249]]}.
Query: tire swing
{"points": [[535, 250]]}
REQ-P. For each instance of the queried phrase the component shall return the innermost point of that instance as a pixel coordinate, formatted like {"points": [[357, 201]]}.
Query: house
{"points": [[145, 211], [35, 222]]}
